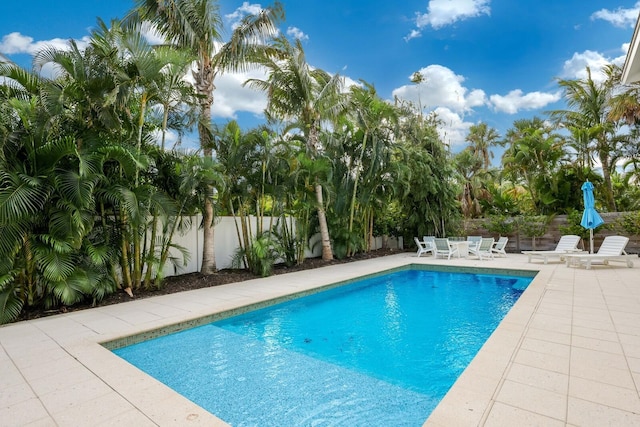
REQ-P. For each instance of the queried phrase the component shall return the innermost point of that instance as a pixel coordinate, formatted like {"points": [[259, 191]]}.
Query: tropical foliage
{"points": [[94, 186]]}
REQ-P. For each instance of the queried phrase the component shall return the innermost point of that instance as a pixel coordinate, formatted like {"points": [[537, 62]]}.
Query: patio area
{"points": [[567, 354]]}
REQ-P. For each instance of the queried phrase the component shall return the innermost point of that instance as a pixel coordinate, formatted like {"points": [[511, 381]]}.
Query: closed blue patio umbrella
{"points": [[590, 217]]}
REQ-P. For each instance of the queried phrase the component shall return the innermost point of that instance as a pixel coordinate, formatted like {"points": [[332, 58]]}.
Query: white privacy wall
{"points": [[226, 243]]}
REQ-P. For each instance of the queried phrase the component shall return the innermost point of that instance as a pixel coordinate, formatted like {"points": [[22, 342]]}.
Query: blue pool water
{"points": [[382, 351]]}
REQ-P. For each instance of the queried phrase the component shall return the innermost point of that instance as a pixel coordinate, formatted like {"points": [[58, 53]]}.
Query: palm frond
{"points": [[185, 255], [58, 245], [100, 254], [75, 189], [10, 302], [55, 266], [12, 237], [20, 196], [73, 289]]}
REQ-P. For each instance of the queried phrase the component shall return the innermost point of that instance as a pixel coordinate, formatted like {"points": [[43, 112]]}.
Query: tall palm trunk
{"points": [[606, 174], [137, 250], [352, 207], [29, 270], [208, 250], [327, 253], [204, 86]]}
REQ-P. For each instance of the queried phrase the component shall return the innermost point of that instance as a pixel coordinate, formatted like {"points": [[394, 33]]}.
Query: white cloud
{"points": [[348, 82], [441, 13], [414, 34], [230, 96], [575, 68], [620, 17], [244, 10], [297, 33], [516, 100], [441, 87], [441, 92], [452, 129], [619, 60], [16, 43], [151, 34]]}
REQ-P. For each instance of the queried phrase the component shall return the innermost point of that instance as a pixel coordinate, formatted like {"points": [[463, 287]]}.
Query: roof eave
{"points": [[631, 68]]}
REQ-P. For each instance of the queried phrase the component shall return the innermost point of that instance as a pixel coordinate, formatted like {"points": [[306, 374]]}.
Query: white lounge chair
{"points": [[611, 250], [443, 248], [499, 246], [423, 247], [567, 244], [484, 249]]}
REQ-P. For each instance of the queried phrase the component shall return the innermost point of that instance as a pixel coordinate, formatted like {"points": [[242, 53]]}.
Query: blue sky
{"points": [[482, 60]]}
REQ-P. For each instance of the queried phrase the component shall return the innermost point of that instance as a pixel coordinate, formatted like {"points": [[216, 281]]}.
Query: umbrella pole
{"points": [[591, 240]]}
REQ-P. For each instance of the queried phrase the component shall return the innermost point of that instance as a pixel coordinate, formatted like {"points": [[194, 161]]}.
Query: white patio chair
{"points": [[499, 246], [423, 247], [484, 249], [474, 241], [443, 248]]}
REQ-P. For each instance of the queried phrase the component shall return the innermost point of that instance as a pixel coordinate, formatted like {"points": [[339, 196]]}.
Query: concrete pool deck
{"points": [[567, 354]]}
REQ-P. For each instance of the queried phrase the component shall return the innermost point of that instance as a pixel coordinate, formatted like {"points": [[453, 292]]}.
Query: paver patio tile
{"points": [[543, 335], [541, 378], [533, 399], [506, 415], [598, 334], [585, 413], [22, 413], [543, 361], [604, 394], [546, 347], [597, 344]]}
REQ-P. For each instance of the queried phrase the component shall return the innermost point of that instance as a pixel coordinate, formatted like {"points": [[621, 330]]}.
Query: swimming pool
{"points": [[382, 351]]}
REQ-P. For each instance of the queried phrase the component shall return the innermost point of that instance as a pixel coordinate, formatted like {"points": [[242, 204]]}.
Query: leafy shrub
{"points": [[501, 224], [260, 257], [630, 223], [574, 217]]}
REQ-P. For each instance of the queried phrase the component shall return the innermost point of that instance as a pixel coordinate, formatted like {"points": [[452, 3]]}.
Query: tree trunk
{"points": [[327, 253], [208, 250], [204, 86], [352, 206], [606, 174]]}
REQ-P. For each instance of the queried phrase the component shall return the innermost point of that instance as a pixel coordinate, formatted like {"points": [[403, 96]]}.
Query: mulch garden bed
{"points": [[190, 281]]}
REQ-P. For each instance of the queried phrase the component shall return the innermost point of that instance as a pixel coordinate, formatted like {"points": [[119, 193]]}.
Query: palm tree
{"points": [[625, 103], [589, 103], [481, 139], [423, 175], [376, 120], [307, 96], [48, 254], [238, 153], [532, 157], [196, 25], [468, 166]]}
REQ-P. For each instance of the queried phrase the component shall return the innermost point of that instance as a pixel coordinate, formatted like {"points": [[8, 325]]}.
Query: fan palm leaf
{"points": [[20, 196], [10, 302], [73, 288]]}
